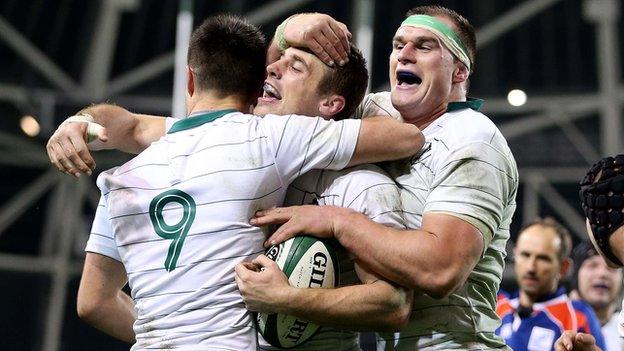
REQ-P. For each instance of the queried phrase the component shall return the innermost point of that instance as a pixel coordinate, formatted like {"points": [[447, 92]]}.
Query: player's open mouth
{"points": [[406, 78], [602, 287], [270, 92]]}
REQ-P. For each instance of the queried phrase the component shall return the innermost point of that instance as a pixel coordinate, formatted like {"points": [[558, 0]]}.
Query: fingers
{"points": [[263, 261], [327, 38], [282, 234], [81, 158], [77, 165], [565, 341], [68, 151], [60, 160], [584, 341], [332, 45], [243, 269], [342, 34], [277, 215], [345, 30], [319, 51]]}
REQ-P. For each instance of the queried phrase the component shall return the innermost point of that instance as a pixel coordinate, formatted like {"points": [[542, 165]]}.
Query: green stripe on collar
{"points": [[198, 120], [471, 103]]}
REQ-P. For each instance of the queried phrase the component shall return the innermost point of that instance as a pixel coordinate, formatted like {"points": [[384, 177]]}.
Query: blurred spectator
{"points": [[600, 286], [534, 317]]}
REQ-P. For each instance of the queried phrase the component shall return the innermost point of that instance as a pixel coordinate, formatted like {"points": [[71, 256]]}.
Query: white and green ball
{"points": [[308, 263]]}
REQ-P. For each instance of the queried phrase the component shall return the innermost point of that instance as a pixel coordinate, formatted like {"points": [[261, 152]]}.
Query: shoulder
{"points": [[467, 126], [468, 134], [377, 104]]}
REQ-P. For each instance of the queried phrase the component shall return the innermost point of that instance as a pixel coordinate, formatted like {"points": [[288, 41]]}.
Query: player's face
{"points": [[537, 266], [291, 85], [421, 72], [598, 284]]}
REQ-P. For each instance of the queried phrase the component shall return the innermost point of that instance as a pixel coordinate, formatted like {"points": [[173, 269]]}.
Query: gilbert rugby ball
{"points": [[308, 263]]}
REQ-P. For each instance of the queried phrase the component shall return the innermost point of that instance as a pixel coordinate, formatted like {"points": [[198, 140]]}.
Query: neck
{"points": [[604, 314], [527, 300], [207, 102], [423, 120]]}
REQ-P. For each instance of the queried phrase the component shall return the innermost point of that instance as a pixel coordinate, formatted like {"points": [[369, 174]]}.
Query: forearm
{"points": [[127, 131], [376, 306], [114, 316], [405, 256], [385, 139]]}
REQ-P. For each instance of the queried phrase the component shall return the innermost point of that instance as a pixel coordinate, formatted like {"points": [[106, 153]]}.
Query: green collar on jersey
{"points": [[197, 120], [472, 103]]}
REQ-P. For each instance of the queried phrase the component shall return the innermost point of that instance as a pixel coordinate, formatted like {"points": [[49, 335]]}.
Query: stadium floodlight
{"points": [[516, 97], [30, 126]]}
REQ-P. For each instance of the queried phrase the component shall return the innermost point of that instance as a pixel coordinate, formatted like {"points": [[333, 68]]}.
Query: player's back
{"points": [[180, 213], [177, 216]]}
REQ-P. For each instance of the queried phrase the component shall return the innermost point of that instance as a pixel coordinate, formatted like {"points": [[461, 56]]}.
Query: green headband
{"points": [[446, 35]]}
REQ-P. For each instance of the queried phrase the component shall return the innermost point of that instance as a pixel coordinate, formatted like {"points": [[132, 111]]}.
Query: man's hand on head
{"points": [[327, 38], [67, 147]]}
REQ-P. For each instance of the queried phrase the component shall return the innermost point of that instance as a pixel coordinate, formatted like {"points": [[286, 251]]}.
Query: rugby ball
{"points": [[308, 263]]}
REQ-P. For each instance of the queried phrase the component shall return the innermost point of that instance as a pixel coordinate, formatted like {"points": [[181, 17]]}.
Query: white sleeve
{"points": [[304, 143], [101, 238], [475, 183]]}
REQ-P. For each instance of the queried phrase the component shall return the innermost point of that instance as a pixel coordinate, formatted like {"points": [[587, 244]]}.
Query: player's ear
{"points": [[461, 73], [190, 81], [331, 106]]}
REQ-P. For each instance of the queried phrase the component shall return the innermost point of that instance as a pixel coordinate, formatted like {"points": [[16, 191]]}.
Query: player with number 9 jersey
{"points": [[177, 217]]}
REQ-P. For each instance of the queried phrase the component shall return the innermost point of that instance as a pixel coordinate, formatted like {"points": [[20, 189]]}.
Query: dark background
{"points": [[552, 54]]}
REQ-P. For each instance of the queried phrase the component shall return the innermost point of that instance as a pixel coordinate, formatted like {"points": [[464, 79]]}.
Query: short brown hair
{"points": [[349, 81], [463, 28], [559, 229], [227, 55]]}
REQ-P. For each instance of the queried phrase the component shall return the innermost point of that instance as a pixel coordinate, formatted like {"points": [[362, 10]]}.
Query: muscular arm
{"points": [[373, 305], [436, 259], [127, 131], [101, 302], [384, 139]]}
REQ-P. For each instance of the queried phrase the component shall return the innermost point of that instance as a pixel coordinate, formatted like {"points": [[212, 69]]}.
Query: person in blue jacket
{"points": [[541, 311]]}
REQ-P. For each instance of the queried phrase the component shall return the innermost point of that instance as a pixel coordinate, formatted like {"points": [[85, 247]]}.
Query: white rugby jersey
{"points": [[177, 216], [366, 189], [465, 169]]}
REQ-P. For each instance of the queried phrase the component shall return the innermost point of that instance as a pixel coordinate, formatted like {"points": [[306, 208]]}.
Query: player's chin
{"points": [[260, 110]]}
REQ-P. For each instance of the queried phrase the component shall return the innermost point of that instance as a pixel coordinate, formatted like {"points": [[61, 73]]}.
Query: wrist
{"points": [[286, 304], [279, 37], [341, 221]]}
